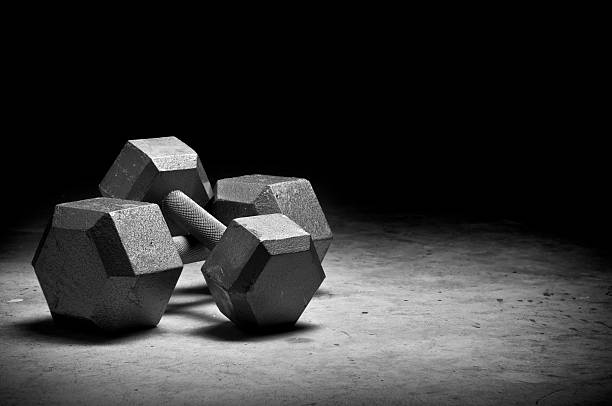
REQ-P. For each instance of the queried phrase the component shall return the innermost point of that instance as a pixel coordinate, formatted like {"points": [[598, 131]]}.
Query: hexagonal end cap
{"points": [[264, 271], [252, 195], [148, 169], [108, 261]]}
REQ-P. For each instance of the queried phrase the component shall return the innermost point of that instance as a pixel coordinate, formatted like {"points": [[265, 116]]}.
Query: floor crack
{"points": [[537, 402]]}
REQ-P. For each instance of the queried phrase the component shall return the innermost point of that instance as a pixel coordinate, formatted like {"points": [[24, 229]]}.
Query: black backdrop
{"points": [[446, 159], [483, 127]]}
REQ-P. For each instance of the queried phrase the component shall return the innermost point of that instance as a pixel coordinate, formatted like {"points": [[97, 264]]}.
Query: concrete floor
{"points": [[414, 310]]}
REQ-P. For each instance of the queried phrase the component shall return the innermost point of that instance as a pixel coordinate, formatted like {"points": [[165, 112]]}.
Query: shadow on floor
{"points": [[323, 293], [228, 331], [70, 332], [192, 290], [180, 308]]}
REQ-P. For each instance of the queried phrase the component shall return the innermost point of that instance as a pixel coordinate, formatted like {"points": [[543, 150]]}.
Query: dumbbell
{"points": [[253, 195], [110, 262], [262, 270]]}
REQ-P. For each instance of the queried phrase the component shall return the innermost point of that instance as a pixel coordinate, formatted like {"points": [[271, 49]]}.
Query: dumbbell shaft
{"points": [[190, 249], [193, 218]]}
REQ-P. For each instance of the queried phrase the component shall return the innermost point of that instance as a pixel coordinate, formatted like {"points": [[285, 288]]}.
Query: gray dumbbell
{"points": [[262, 270]]}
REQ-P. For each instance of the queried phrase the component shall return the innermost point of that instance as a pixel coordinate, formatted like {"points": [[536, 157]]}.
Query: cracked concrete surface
{"points": [[414, 310]]}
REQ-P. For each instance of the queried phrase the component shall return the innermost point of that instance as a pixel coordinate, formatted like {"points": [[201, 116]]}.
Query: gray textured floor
{"points": [[413, 311]]}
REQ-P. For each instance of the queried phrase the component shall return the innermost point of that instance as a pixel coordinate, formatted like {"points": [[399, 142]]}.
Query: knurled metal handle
{"points": [[189, 249], [193, 218]]}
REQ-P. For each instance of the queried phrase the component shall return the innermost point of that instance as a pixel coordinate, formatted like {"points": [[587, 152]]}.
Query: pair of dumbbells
{"points": [[114, 263]]}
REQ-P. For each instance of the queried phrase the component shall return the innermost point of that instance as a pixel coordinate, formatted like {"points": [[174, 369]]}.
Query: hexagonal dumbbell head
{"points": [[263, 271], [108, 261], [148, 169], [253, 195]]}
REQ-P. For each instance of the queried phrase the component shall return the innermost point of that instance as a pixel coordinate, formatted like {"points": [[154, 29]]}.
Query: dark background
{"points": [[502, 124]]}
